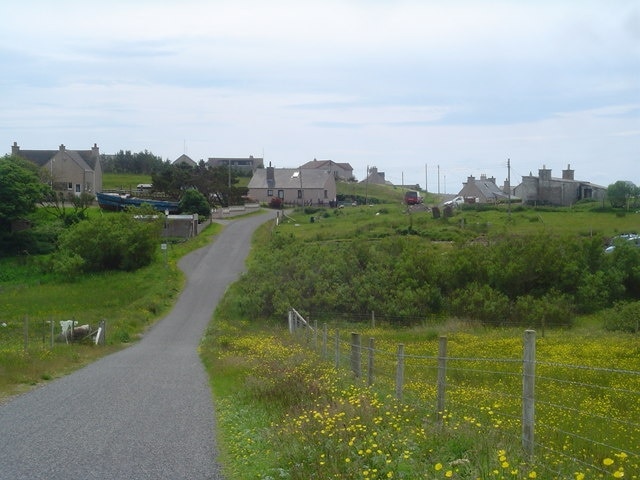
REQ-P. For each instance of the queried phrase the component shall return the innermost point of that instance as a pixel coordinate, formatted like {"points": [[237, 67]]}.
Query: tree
{"points": [[622, 194], [20, 188], [217, 184], [194, 202]]}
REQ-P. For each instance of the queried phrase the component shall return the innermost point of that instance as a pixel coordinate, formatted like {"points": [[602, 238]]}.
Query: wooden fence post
{"points": [[442, 379], [355, 355], [291, 327], [373, 319], [528, 391], [25, 332], [315, 335], [53, 330], [325, 333], [400, 372], [337, 349], [370, 364]]}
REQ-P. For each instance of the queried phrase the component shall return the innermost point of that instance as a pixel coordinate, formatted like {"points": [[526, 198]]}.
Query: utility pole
{"points": [[438, 179], [426, 179], [366, 187], [509, 186]]}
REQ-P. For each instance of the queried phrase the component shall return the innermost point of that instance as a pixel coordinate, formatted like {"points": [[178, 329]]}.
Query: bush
{"points": [[480, 302], [551, 310], [623, 317], [121, 241]]}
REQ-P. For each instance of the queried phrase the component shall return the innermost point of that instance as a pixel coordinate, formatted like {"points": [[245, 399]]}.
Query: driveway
{"points": [[145, 412]]}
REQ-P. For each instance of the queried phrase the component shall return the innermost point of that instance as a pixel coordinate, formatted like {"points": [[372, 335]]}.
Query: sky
{"points": [[429, 92]]}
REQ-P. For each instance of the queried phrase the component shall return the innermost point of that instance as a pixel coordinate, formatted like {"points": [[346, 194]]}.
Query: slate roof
{"points": [[83, 158], [289, 178]]}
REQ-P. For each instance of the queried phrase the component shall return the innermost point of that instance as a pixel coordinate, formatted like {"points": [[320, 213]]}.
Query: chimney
{"points": [[271, 177], [62, 147], [568, 173], [471, 179], [15, 149], [95, 151], [544, 173], [492, 180]]}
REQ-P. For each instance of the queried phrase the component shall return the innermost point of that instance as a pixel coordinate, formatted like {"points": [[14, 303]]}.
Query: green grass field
{"points": [[286, 412]]}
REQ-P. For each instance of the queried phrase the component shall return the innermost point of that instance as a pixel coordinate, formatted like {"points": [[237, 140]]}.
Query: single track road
{"points": [[145, 412]]}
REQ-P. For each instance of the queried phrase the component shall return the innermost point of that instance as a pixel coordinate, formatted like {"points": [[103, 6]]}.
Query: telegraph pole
{"points": [[509, 186]]}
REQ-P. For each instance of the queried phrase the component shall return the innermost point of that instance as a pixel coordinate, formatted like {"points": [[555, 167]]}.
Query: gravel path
{"points": [[143, 413]]}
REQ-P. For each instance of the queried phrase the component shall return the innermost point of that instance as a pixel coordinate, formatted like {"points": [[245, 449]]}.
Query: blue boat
{"points": [[117, 202]]}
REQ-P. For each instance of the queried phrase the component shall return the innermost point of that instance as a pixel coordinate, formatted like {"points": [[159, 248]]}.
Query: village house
{"points": [[250, 164], [547, 190], [484, 190], [375, 177], [68, 171], [185, 160], [341, 171], [292, 186]]}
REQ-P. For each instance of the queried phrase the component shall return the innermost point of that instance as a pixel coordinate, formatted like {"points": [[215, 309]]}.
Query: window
{"points": [[78, 188], [69, 186], [280, 193], [325, 194], [269, 193], [299, 193]]}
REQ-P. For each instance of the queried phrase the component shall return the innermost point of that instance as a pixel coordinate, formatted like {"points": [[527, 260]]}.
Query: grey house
{"points": [[249, 164], [342, 171], [485, 190], [547, 190], [293, 186], [185, 159], [68, 171]]}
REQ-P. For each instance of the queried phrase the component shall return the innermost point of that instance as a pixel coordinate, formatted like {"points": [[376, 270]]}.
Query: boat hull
{"points": [[116, 202]]}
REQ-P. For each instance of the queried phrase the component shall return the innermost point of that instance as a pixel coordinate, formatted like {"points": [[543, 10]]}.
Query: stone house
{"points": [[250, 164], [485, 190], [342, 171], [185, 160], [376, 178], [293, 186], [547, 190], [68, 171]]}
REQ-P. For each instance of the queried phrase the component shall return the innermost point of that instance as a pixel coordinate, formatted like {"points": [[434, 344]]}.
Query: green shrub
{"points": [[480, 302], [624, 317], [122, 241]]}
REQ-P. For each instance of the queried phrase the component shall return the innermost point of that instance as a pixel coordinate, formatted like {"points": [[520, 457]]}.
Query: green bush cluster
{"points": [[125, 241], [624, 316], [526, 279]]}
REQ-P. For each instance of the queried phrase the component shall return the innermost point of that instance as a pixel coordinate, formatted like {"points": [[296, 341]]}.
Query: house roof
{"points": [[488, 189], [327, 164], [84, 158], [290, 178], [186, 159]]}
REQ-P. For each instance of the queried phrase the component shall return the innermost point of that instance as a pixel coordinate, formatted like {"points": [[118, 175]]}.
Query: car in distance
{"points": [[412, 198], [632, 238]]}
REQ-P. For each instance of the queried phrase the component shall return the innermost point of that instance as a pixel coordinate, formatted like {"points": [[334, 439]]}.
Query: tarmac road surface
{"points": [[145, 412]]}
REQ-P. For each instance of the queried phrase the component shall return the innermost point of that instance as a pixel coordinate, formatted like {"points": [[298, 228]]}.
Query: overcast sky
{"points": [[405, 86]]}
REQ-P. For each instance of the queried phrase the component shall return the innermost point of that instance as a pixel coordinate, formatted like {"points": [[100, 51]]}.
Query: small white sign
{"points": [[163, 246]]}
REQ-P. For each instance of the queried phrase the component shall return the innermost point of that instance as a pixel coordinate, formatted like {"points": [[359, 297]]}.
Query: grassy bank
{"points": [[129, 302], [286, 412]]}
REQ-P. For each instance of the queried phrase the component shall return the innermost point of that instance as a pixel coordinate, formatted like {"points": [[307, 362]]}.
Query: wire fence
{"points": [[28, 334], [566, 417]]}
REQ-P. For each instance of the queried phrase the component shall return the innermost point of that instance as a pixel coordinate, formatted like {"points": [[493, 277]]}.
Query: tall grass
{"points": [[285, 412], [129, 302]]}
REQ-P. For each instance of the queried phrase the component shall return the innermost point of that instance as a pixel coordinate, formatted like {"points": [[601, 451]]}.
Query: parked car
{"points": [[454, 202], [412, 198], [632, 238]]}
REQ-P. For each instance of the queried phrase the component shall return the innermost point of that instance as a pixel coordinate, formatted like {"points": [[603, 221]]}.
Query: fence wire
{"points": [[586, 417]]}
